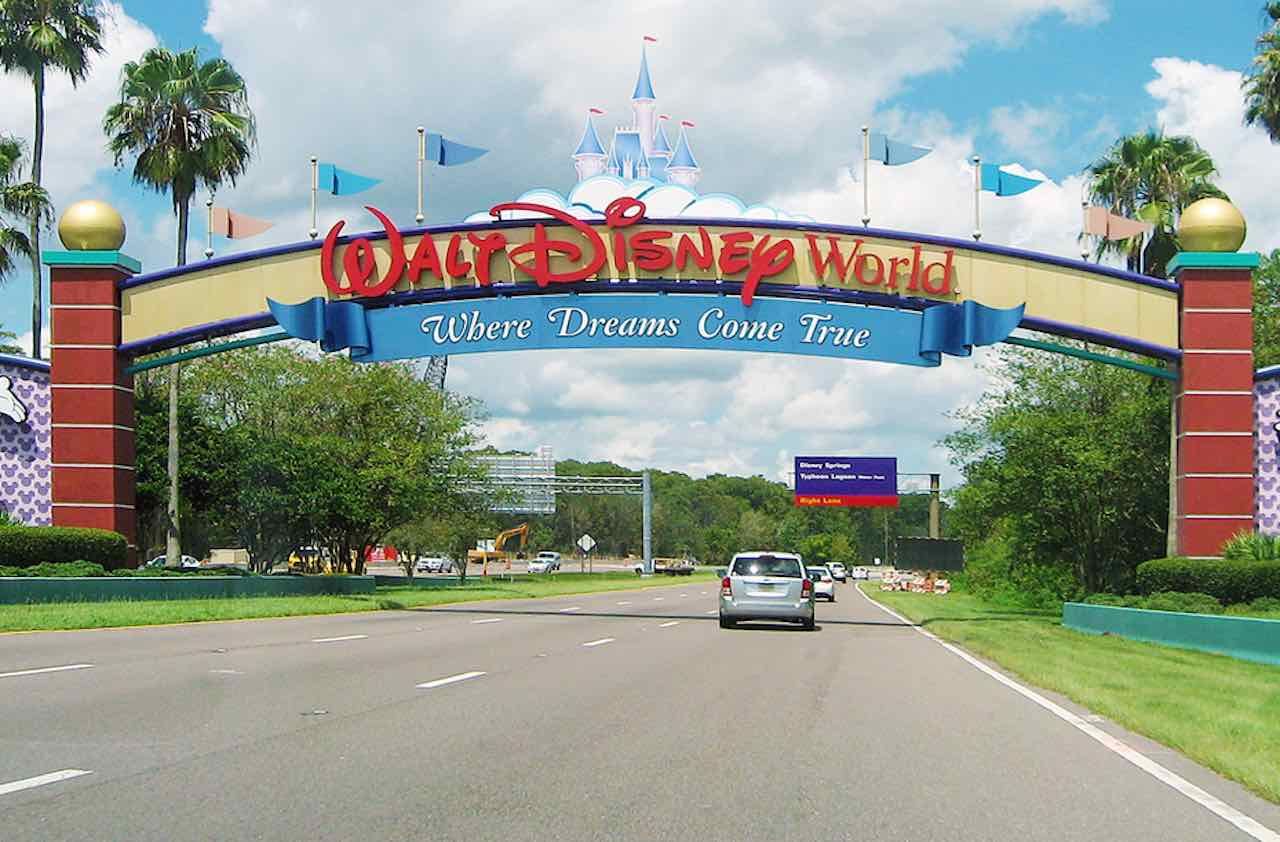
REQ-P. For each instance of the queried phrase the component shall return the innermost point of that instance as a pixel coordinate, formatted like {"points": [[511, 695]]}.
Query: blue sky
{"points": [[777, 95]]}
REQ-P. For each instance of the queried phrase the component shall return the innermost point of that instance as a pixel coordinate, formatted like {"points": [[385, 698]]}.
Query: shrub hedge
{"points": [[89, 568], [25, 546], [1229, 582]]}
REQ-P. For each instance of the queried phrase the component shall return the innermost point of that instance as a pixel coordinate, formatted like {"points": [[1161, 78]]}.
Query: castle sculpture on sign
{"points": [[641, 150]]}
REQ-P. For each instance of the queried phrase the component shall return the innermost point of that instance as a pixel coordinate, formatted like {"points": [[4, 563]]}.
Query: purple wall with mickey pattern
{"points": [[25, 490], [1266, 450]]}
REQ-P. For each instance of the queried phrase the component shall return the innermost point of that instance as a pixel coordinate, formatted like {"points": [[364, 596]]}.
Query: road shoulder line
{"points": [[1167, 776]]}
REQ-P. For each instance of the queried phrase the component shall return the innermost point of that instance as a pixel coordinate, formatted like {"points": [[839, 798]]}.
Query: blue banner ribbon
{"points": [[956, 328], [622, 320], [334, 324]]}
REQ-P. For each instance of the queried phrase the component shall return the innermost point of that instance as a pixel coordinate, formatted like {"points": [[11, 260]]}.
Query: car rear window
{"points": [[817, 571], [767, 565]]}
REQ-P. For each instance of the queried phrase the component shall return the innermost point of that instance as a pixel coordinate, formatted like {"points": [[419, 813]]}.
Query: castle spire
{"points": [[590, 143], [644, 87]]}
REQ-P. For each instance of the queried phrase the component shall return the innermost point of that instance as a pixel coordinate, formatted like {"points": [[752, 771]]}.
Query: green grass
{"points": [[1220, 712], [94, 615]]}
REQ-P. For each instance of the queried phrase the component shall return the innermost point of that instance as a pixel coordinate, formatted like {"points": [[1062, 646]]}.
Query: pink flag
{"points": [[596, 110], [664, 116], [688, 123], [237, 226], [1102, 223], [651, 39]]}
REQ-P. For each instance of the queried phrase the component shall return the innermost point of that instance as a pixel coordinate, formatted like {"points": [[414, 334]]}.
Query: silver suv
{"points": [[766, 586]]}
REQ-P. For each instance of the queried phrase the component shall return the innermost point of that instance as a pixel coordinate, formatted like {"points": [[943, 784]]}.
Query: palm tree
{"points": [[189, 124], [1151, 176], [22, 200], [37, 36], [1262, 83]]}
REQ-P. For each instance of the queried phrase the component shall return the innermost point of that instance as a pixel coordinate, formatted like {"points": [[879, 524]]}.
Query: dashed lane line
{"points": [[42, 780], [41, 670], [453, 679], [601, 642]]}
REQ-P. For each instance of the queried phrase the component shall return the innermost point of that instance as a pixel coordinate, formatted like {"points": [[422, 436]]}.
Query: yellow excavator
{"points": [[479, 556]]}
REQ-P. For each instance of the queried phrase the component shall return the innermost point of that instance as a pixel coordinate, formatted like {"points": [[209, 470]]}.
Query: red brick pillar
{"points": [[1215, 399], [92, 448]]}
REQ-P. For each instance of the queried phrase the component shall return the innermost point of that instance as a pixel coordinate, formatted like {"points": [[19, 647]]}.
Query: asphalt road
{"points": [[616, 716]]}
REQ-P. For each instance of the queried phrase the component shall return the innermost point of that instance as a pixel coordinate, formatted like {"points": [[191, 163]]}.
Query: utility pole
{"points": [[647, 511], [935, 505], [886, 536]]}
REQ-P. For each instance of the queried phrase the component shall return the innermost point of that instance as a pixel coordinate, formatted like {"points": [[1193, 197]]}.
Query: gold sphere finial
{"points": [[91, 225], [1211, 225]]}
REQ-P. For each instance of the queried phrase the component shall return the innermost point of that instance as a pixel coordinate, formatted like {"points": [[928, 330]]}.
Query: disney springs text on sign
{"points": [[544, 260]]}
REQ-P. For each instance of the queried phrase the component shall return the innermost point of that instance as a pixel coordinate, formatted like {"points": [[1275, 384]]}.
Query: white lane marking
{"points": [[702, 593], [659, 598], [714, 611], [453, 679], [45, 669], [339, 639], [571, 608], [1212, 803], [668, 625], [683, 595], [602, 641], [625, 602], [225, 672], [488, 620], [41, 780]]}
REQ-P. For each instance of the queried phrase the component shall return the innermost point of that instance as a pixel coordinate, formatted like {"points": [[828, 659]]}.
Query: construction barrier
{"points": [[22, 590], [1246, 638]]}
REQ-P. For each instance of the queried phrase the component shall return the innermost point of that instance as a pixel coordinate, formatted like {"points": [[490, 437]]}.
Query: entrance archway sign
{"points": [[538, 277]]}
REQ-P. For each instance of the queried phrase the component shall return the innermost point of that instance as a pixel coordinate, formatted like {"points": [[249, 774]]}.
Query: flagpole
{"points": [[315, 185], [422, 156], [866, 187], [208, 249], [977, 198]]}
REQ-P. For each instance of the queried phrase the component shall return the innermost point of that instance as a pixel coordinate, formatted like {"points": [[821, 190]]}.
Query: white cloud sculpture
{"points": [[588, 199]]}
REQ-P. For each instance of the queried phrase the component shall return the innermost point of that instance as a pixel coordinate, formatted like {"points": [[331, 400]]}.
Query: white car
{"points": [[838, 572], [546, 562], [859, 573], [824, 584], [433, 564], [188, 562]]}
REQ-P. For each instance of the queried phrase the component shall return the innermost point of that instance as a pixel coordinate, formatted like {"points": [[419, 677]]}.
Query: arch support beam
{"points": [[92, 394], [1215, 436]]}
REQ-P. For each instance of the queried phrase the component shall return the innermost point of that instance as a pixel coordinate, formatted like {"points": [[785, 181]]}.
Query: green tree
{"points": [[38, 37], [1151, 176], [1266, 311], [1262, 82], [19, 199], [187, 123], [336, 451], [1065, 460]]}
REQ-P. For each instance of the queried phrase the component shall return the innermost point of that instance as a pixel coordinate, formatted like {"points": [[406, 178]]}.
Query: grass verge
{"points": [[1220, 712], [95, 615]]}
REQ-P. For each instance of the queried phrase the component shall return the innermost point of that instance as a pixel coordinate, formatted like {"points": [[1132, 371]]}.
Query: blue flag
{"points": [[956, 328], [446, 153], [996, 180], [342, 182], [893, 153]]}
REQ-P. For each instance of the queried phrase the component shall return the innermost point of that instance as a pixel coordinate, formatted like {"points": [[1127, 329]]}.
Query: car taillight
{"points": [[806, 589], [726, 587]]}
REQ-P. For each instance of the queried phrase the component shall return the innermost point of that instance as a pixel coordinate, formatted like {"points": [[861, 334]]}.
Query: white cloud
{"points": [[1029, 131], [75, 151], [1205, 101]]}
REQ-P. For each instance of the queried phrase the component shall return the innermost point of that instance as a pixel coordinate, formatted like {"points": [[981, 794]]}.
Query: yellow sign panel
{"points": [[755, 259]]}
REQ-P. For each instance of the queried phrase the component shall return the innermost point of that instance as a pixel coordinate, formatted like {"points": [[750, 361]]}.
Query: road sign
{"points": [[586, 542], [846, 481]]}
